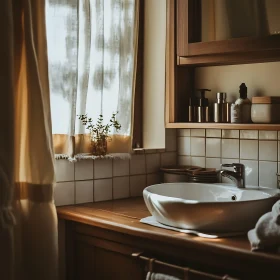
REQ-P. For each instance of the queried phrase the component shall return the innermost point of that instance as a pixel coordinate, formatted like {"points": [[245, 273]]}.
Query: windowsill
{"points": [[147, 151], [109, 156]]}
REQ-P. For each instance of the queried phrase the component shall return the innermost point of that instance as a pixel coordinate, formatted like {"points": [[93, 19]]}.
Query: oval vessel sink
{"points": [[208, 207]]}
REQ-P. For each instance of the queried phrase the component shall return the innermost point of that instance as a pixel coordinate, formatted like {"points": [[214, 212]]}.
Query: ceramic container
{"points": [[265, 113]]}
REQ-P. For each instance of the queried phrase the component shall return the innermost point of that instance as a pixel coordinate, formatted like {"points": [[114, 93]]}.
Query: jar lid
{"points": [[266, 100]]}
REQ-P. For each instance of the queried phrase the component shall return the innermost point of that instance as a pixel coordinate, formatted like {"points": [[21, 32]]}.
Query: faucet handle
{"points": [[239, 167]]}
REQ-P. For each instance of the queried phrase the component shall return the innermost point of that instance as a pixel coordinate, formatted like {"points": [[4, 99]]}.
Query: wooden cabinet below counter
{"points": [[100, 239]]}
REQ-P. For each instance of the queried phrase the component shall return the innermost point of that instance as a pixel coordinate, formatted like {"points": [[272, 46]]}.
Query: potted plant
{"points": [[99, 132]]}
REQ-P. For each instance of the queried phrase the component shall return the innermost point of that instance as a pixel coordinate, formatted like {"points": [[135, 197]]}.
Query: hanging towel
{"points": [[159, 276], [266, 234]]}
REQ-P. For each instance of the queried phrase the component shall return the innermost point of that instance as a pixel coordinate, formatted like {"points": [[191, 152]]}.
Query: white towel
{"points": [[159, 276], [266, 234]]}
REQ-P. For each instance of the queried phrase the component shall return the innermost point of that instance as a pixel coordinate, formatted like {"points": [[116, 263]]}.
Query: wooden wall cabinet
{"points": [[184, 53]]}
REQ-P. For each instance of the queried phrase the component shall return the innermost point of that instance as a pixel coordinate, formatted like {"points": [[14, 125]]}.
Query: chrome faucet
{"points": [[237, 176]]}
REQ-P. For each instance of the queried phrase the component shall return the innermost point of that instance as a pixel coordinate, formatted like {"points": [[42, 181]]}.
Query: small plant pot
{"points": [[99, 147]]}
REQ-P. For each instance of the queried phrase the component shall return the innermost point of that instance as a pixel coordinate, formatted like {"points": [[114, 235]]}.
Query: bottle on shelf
{"points": [[221, 108], [203, 106], [244, 104], [192, 109]]}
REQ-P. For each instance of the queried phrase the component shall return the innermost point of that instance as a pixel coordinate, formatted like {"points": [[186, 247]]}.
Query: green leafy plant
{"points": [[99, 132]]}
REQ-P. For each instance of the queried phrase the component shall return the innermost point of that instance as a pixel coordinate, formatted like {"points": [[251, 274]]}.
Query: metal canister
{"points": [[221, 109]]}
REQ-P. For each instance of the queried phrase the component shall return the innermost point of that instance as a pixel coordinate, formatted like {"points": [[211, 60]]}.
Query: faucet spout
{"points": [[237, 176]]}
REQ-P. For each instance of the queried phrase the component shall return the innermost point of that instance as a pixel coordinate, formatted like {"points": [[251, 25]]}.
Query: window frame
{"points": [[137, 141]]}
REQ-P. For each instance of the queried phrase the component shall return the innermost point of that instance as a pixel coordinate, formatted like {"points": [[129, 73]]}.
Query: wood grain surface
{"points": [[124, 216]]}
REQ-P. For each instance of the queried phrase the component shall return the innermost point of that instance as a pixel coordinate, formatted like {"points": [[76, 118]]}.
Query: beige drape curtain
{"points": [[26, 150], [92, 51]]}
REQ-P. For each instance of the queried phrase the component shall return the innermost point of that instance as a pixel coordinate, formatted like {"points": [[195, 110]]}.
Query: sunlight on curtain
{"points": [[28, 218], [91, 47]]}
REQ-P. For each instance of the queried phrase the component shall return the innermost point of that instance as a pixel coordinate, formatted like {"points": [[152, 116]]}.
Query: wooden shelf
{"points": [[251, 126]]}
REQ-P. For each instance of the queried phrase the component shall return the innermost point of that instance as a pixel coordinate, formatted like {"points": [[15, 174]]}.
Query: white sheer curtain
{"points": [[92, 47]]}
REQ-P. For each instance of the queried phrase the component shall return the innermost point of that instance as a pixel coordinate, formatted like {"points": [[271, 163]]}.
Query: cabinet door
{"points": [[113, 265], [213, 34], [85, 261], [98, 259]]}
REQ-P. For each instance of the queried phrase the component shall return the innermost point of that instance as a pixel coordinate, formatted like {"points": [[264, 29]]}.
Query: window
{"points": [[92, 52]]}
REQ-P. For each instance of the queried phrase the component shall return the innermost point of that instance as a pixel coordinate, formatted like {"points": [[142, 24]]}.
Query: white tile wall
{"points": [[267, 171], [170, 140], [184, 132], [121, 187], [168, 159], [153, 179], [184, 145], [249, 149], [228, 133], [213, 163], [84, 191], [137, 164], [103, 168], [100, 180], [198, 146], [84, 170], [87, 181], [213, 147], [64, 170], [198, 161], [64, 193], [120, 167], [152, 163], [267, 135], [259, 151], [230, 148], [103, 190], [249, 134], [268, 150], [215, 133], [198, 132], [184, 160], [137, 185]]}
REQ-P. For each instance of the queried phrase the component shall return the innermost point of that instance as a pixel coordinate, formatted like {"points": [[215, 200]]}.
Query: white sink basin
{"points": [[208, 207]]}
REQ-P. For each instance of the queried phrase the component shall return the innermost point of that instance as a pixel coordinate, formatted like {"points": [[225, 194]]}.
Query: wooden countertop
{"points": [[124, 216]]}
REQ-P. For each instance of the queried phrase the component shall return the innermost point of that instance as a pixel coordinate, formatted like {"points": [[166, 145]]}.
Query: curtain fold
{"points": [[92, 50], [31, 245], [6, 142]]}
